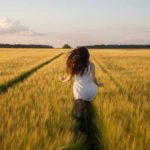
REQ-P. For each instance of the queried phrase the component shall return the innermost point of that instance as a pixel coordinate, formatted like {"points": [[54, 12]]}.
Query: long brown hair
{"points": [[77, 61]]}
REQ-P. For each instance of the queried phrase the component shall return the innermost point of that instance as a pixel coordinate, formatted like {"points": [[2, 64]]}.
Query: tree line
{"points": [[67, 46], [24, 46], [30, 46], [103, 46]]}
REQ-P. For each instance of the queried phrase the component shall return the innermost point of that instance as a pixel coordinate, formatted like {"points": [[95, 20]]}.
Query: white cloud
{"points": [[9, 26]]}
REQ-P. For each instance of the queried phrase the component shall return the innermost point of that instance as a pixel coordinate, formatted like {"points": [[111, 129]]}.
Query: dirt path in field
{"points": [[4, 87]]}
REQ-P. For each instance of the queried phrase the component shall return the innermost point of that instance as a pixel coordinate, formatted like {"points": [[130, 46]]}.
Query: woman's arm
{"points": [[94, 76], [63, 79]]}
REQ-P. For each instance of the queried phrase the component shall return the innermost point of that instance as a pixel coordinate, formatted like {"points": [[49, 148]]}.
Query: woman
{"points": [[85, 83]]}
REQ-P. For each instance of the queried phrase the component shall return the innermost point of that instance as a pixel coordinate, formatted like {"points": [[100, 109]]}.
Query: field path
{"points": [[37, 114], [123, 102], [121, 89], [4, 87], [117, 84], [89, 126]]}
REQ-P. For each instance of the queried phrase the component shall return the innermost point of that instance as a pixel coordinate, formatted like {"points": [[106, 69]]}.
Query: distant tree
{"points": [[66, 46]]}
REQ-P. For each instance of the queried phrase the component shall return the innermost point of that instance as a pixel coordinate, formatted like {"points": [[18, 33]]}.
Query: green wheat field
{"points": [[36, 109]]}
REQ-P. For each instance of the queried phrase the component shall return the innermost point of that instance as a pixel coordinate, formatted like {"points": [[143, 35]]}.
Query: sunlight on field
{"points": [[37, 112], [124, 101], [13, 61]]}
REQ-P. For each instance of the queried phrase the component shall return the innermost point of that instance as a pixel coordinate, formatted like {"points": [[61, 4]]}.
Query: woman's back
{"points": [[84, 87], [87, 76]]}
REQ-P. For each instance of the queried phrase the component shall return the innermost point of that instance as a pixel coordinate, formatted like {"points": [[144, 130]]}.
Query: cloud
{"points": [[9, 26]]}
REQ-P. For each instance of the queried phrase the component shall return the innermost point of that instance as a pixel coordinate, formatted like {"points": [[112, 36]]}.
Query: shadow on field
{"points": [[87, 131]]}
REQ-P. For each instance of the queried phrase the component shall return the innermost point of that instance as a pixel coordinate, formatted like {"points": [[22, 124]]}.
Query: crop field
{"points": [[13, 62], [36, 109]]}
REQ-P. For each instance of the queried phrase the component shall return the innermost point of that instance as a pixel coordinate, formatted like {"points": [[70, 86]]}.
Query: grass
{"points": [[4, 87], [124, 102], [37, 113], [15, 61], [35, 122]]}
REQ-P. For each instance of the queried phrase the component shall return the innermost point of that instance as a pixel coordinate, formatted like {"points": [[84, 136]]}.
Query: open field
{"points": [[16, 61], [36, 112]]}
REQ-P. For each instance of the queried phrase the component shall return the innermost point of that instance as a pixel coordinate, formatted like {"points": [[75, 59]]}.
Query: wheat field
{"points": [[36, 109]]}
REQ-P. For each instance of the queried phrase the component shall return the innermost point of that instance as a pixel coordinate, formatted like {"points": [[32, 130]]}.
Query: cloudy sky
{"points": [[77, 22]]}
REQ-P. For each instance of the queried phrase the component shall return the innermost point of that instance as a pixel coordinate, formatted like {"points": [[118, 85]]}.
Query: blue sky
{"points": [[77, 22]]}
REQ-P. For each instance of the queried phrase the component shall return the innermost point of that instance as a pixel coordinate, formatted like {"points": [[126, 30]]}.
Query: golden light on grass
{"points": [[36, 113]]}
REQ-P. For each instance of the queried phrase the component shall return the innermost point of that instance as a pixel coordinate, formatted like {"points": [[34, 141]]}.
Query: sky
{"points": [[76, 22]]}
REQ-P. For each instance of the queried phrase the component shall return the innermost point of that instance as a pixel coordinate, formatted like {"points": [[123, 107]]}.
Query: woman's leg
{"points": [[85, 110], [86, 104], [79, 107]]}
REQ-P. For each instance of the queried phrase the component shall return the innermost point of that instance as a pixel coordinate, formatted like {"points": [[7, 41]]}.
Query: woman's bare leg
{"points": [[79, 107], [86, 105]]}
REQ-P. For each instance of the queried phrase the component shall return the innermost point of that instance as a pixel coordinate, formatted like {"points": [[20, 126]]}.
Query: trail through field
{"points": [[121, 89], [31, 112], [4, 87], [38, 113], [16, 61], [88, 126], [124, 101]]}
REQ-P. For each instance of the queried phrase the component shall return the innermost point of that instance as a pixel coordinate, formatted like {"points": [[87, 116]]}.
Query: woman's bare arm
{"points": [[94, 76], [63, 79]]}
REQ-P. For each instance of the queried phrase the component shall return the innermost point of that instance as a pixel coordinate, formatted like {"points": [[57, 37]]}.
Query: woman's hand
{"points": [[100, 84], [62, 78]]}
